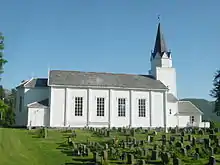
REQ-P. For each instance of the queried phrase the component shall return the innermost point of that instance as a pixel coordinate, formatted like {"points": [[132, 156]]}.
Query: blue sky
{"points": [[110, 36]]}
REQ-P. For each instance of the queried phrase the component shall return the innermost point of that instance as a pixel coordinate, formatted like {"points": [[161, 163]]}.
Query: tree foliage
{"points": [[2, 60], [6, 102], [7, 106], [215, 92]]}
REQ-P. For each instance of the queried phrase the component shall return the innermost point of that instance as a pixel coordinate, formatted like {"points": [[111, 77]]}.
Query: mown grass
{"points": [[18, 147], [22, 147]]}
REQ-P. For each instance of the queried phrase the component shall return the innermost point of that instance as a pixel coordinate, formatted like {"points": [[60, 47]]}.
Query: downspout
{"points": [[65, 93], [88, 107], [164, 111], [131, 100], [109, 107], [150, 105]]}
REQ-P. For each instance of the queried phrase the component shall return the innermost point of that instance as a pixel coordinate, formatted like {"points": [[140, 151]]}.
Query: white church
{"points": [[98, 99]]}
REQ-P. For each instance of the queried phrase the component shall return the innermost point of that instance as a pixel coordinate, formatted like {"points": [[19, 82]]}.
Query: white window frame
{"points": [[142, 107], [192, 119], [78, 106], [100, 106], [121, 107]]}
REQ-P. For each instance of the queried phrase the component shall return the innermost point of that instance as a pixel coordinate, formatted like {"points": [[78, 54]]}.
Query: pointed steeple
{"points": [[160, 44]]}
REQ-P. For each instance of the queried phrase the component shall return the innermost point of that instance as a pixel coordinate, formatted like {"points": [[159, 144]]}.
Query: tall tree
{"points": [[215, 92], [7, 105], [2, 60]]}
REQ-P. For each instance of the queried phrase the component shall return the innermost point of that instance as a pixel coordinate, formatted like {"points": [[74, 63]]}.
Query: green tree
{"points": [[2, 60], [2, 93], [3, 110], [215, 92], [7, 106], [10, 115]]}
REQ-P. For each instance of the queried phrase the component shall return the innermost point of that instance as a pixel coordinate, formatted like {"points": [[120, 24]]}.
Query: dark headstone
{"points": [[212, 160]]}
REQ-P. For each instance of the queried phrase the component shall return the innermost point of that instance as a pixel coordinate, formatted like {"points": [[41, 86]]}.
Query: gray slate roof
{"points": [[171, 98], [99, 79], [186, 107], [39, 104], [34, 82]]}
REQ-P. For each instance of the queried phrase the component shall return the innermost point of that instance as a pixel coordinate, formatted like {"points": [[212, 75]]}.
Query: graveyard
{"points": [[109, 146]]}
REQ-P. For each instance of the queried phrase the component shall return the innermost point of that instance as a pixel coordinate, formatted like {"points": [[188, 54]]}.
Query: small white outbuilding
{"points": [[38, 113]]}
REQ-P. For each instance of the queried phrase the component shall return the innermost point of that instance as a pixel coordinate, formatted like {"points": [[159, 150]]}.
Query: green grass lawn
{"points": [[22, 147], [18, 147]]}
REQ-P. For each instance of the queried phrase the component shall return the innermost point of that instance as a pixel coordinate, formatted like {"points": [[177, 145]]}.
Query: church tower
{"points": [[161, 63]]}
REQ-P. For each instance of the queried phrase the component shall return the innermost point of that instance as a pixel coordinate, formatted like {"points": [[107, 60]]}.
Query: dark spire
{"points": [[160, 45]]}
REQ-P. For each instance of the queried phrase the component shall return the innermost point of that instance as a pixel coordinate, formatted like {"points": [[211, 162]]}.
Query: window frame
{"points": [[170, 111], [192, 119], [78, 108], [100, 106], [142, 107], [121, 107]]}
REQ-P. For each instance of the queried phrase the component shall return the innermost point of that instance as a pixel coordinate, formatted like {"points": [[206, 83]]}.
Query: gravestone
{"points": [[176, 161], [212, 160], [154, 155], [130, 159], [189, 138], [196, 156]]}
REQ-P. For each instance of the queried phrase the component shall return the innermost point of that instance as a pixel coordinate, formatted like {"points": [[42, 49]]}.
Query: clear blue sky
{"points": [[111, 36]]}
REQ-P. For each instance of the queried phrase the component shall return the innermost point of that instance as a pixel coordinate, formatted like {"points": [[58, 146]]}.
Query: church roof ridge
{"points": [[104, 79], [108, 73]]}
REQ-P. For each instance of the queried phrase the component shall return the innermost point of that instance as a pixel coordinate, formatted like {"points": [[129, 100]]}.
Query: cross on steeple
{"points": [[158, 18]]}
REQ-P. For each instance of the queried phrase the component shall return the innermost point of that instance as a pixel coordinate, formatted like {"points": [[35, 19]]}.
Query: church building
{"points": [[99, 99]]}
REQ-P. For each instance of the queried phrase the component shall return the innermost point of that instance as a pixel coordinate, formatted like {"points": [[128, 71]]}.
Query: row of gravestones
{"points": [[131, 132], [165, 156], [192, 130], [100, 132], [150, 139], [195, 130], [154, 156], [114, 152], [207, 149]]}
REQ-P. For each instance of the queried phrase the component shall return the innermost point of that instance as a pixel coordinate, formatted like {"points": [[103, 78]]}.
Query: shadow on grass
{"points": [[80, 163], [63, 147], [154, 162], [117, 162], [81, 160], [36, 136], [68, 152]]}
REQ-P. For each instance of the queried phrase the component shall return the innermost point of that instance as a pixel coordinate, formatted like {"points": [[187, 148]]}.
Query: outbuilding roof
{"points": [[39, 104]]}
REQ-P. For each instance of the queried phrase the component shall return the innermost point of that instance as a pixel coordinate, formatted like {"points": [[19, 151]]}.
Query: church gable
{"points": [[99, 79], [34, 82]]}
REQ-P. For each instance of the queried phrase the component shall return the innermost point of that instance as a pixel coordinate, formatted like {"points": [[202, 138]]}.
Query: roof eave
{"points": [[106, 87], [25, 85]]}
